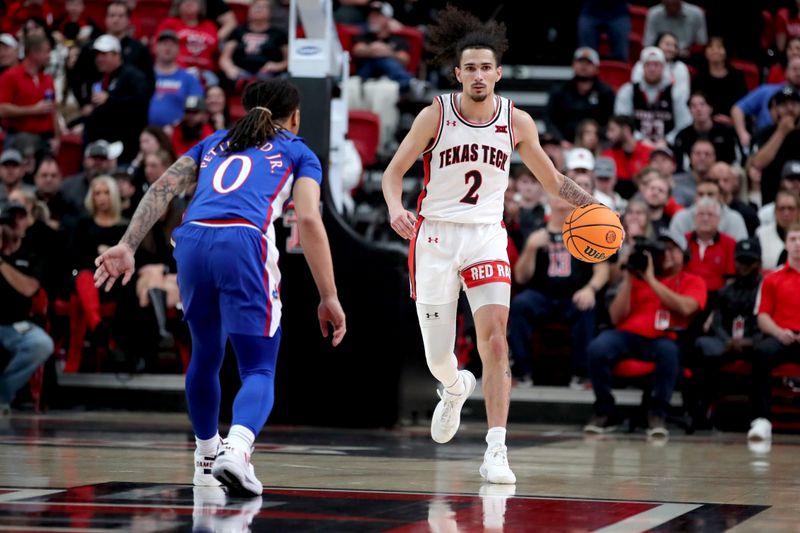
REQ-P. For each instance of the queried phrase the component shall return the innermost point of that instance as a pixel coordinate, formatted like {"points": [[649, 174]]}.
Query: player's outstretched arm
{"points": [[422, 132], [314, 240], [118, 260], [535, 158]]}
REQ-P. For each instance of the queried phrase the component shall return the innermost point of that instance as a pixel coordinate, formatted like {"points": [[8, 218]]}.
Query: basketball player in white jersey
{"points": [[458, 239]]}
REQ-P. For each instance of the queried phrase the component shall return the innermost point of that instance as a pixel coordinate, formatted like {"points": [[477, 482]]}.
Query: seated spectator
{"points": [[74, 26], [651, 304], [551, 144], [198, 38], [20, 273], [173, 84], [127, 191], [702, 157], [194, 126], [121, 98], [11, 172], [605, 177], [48, 180], [377, 52], [722, 84], [777, 72], [658, 106], [790, 181], [684, 20], [30, 148], [773, 235], [733, 327], [151, 140], [662, 159], [675, 69], [556, 286], [731, 222], [629, 154], [584, 96], [636, 222], [100, 157], [710, 251], [20, 11], [255, 50], [27, 96], [656, 192], [217, 108], [722, 136], [787, 26], [531, 201], [611, 18], [777, 144], [755, 104], [779, 323], [9, 51], [155, 164], [587, 135], [730, 186]]}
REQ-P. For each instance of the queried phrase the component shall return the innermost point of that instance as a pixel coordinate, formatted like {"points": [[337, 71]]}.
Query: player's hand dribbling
{"points": [[330, 311], [115, 262], [403, 222]]}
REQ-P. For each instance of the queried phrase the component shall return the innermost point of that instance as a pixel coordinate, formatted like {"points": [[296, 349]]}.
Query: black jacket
{"points": [[736, 300], [566, 107]]}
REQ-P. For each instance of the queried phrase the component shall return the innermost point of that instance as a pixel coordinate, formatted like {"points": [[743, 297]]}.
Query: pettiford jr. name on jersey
{"points": [[275, 160], [472, 153]]}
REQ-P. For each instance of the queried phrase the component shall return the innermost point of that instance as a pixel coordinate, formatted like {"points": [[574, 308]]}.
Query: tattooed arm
{"points": [[535, 158], [118, 260]]}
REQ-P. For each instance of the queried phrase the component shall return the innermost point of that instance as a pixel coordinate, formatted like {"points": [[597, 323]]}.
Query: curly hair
{"points": [[456, 30]]}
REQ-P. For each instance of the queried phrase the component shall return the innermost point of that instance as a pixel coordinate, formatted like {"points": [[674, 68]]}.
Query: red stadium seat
{"points": [[346, 33], [751, 75], [636, 368], [768, 32], [240, 10], [784, 412], [415, 40], [614, 73], [71, 309], [638, 15], [364, 129]]}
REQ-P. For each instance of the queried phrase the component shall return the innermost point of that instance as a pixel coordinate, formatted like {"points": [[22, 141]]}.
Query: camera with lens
{"points": [[637, 260]]}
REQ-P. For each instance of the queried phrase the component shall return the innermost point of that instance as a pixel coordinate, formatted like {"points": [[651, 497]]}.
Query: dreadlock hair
{"points": [[267, 102], [456, 30]]}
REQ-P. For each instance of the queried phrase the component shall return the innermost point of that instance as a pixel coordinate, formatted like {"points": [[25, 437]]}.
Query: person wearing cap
{"points": [[193, 127], [777, 144], [703, 126], [790, 181], [756, 104], [173, 84], [685, 21], [605, 178], [613, 19], [118, 108], [20, 279], [99, 157], [731, 222], [674, 69], [9, 51], [649, 306], [772, 235], [241, 59], [11, 173], [584, 96], [733, 328], [630, 155], [779, 323], [199, 40], [27, 95], [657, 105]]}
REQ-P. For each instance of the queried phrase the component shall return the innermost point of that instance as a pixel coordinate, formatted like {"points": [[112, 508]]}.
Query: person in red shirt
{"points": [[193, 127], [630, 155], [652, 302], [712, 252], [199, 42], [779, 322], [20, 11], [27, 95]]}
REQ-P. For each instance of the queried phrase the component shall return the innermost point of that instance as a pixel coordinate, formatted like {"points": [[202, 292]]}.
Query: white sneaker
{"points": [[202, 470], [495, 467], [760, 430], [234, 470], [447, 415], [207, 502]]}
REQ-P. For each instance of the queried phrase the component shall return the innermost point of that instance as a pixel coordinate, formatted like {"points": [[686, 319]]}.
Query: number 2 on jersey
{"points": [[241, 177], [472, 197]]}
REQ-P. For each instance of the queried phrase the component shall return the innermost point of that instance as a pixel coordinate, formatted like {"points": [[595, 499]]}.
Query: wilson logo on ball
{"points": [[594, 254]]}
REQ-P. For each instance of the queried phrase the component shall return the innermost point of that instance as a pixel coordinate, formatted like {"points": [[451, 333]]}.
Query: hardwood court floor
{"points": [[116, 471]]}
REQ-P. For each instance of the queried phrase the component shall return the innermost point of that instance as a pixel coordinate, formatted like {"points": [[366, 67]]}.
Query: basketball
{"points": [[592, 233]]}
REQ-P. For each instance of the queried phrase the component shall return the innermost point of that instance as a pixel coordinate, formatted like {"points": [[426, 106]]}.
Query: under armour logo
{"points": [[501, 129], [432, 315], [433, 240], [450, 122]]}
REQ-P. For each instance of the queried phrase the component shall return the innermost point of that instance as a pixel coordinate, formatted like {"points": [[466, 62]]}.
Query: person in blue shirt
{"points": [[173, 84], [228, 266]]}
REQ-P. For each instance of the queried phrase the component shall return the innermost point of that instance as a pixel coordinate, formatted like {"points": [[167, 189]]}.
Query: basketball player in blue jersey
{"points": [[228, 267], [458, 240]]}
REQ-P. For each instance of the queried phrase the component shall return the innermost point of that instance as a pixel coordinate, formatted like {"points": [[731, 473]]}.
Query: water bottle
{"points": [[49, 95]]}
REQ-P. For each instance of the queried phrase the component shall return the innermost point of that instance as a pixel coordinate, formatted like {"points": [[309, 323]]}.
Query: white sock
{"points": [[241, 438], [208, 447], [458, 388], [496, 436]]}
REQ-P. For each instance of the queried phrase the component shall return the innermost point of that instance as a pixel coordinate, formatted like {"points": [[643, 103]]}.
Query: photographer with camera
{"points": [[25, 345], [655, 299]]}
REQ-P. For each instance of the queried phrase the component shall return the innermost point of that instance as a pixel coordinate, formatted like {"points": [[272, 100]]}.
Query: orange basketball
{"points": [[592, 233]]}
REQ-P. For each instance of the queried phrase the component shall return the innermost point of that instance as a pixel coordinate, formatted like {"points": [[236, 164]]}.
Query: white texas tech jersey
{"points": [[467, 164]]}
